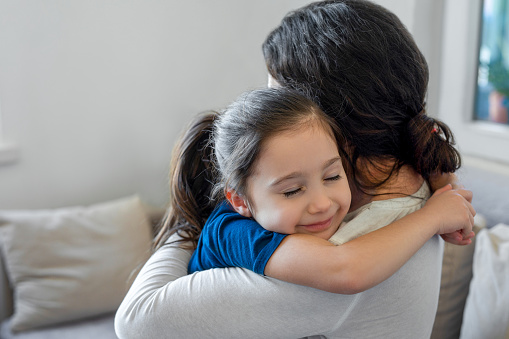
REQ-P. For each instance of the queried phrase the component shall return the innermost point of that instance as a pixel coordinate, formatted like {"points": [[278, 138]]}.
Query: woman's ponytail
{"points": [[192, 179], [432, 146]]}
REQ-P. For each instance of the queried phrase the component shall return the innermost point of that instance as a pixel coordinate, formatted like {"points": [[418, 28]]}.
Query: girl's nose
{"points": [[319, 203]]}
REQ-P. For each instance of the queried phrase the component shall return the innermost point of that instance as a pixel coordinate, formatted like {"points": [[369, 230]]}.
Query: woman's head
{"points": [[364, 69]]}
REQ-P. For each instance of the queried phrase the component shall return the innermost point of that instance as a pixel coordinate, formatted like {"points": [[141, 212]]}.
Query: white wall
{"points": [[93, 93]]}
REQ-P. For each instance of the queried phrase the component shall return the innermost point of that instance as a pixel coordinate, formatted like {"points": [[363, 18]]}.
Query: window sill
{"points": [[486, 165], [9, 153]]}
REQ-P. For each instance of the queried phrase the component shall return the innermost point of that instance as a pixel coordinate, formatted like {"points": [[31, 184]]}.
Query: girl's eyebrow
{"points": [[284, 178], [331, 162], [293, 175]]}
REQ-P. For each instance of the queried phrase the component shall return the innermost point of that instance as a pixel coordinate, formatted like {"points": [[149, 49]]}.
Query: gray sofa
{"points": [[79, 316], [70, 267]]}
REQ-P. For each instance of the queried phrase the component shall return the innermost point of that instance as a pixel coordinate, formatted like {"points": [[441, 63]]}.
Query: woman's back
{"points": [[404, 305]]}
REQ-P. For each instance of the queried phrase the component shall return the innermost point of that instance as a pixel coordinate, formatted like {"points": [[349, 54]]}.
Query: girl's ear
{"points": [[238, 203]]}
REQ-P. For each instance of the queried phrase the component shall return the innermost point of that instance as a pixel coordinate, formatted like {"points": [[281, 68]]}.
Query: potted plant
{"points": [[499, 97]]}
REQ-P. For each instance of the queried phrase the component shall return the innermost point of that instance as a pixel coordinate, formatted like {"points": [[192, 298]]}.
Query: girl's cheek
{"points": [[290, 215]]}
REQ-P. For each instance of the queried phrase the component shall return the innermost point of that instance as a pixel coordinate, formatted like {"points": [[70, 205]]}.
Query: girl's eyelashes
{"points": [[291, 193], [295, 191]]}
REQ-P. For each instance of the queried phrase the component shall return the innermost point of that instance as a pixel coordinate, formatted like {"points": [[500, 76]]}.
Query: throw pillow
{"points": [[71, 263], [487, 308]]}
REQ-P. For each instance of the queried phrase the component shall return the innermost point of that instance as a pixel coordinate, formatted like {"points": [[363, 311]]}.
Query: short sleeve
{"points": [[229, 239]]}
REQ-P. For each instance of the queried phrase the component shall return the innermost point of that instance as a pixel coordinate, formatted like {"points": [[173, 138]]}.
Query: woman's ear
{"points": [[238, 203]]}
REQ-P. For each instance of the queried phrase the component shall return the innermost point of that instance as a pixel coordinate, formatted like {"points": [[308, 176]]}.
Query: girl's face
{"points": [[299, 184]]}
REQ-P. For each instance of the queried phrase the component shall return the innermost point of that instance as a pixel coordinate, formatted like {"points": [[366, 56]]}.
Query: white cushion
{"points": [[487, 308], [71, 263]]}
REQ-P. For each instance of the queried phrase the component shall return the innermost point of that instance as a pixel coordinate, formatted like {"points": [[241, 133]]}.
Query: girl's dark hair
{"points": [[218, 151], [191, 175], [365, 71]]}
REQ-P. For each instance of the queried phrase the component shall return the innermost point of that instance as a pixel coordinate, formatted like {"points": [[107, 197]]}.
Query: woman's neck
{"points": [[402, 183]]}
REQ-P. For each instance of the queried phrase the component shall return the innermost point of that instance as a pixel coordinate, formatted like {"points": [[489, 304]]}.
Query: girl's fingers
{"points": [[472, 210], [457, 238], [467, 194], [453, 238]]}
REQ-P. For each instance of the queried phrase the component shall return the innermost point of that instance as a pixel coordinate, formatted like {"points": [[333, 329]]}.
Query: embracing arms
{"points": [[372, 258], [165, 301]]}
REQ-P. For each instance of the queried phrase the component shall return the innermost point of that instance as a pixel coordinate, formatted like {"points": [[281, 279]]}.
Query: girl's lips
{"points": [[320, 226]]}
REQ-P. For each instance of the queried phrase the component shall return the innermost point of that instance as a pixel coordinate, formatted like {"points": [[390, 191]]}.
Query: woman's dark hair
{"points": [[218, 150], [363, 68]]}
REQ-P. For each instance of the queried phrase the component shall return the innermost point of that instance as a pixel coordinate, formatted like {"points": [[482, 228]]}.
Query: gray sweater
{"points": [[165, 302]]}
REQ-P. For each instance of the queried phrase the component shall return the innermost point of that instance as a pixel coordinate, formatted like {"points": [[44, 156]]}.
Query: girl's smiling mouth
{"points": [[319, 226]]}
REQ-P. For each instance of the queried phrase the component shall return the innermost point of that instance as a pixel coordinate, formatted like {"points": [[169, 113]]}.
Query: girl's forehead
{"points": [[304, 150]]}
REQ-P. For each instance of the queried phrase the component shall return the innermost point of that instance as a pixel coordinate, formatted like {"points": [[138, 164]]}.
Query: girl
{"points": [[274, 156]]}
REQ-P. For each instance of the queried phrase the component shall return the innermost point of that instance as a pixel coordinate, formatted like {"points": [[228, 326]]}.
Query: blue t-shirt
{"points": [[229, 239]]}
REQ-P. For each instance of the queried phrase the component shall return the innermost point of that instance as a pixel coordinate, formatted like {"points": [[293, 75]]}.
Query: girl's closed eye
{"points": [[291, 193], [333, 178]]}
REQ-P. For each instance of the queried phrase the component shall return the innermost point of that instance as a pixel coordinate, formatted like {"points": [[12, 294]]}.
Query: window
{"points": [[492, 97], [465, 82]]}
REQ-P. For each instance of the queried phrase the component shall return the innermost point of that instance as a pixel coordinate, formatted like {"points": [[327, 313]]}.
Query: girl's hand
{"points": [[457, 238], [453, 212]]}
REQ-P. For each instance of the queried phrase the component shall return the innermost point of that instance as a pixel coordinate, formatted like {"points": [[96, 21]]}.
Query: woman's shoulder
{"points": [[417, 198], [378, 214]]}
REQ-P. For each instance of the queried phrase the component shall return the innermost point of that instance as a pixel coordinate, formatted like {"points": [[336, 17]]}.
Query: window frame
{"points": [[460, 57]]}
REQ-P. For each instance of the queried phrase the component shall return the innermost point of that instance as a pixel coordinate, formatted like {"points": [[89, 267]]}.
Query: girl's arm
{"points": [[372, 258]]}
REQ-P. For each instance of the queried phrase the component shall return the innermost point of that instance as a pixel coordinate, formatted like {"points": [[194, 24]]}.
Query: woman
{"points": [[363, 68]]}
